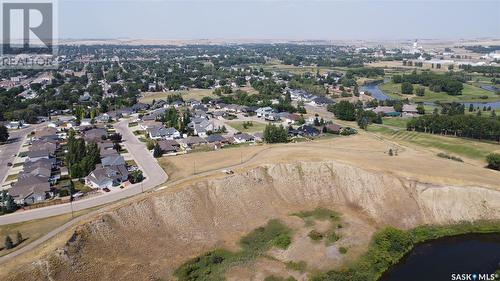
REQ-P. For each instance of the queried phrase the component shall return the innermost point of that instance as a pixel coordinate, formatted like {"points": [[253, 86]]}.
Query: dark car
{"points": [[9, 164], [106, 189]]}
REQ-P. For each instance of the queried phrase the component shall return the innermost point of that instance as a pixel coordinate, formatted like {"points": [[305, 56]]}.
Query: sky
{"points": [[275, 19]]}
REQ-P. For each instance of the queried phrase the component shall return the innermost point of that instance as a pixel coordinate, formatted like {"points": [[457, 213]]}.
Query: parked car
{"points": [[227, 171], [106, 189], [9, 164]]}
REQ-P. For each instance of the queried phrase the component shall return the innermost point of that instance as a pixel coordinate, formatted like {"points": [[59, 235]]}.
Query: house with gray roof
{"points": [[162, 133], [30, 189], [112, 160], [106, 177]]}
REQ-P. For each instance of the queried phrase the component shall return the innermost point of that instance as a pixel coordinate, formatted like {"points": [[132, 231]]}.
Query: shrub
{"points": [[343, 250], [261, 239], [297, 266], [451, 157], [315, 235], [493, 160]]}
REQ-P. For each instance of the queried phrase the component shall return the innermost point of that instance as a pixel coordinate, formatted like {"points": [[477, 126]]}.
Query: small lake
{"points": [[438, 259], [375, 91]]}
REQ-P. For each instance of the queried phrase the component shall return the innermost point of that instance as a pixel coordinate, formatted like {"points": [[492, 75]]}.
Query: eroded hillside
{"points": [[150, 238]]}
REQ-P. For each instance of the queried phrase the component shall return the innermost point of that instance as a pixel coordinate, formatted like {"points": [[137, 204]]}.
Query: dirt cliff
{"points": [[150, 238]]}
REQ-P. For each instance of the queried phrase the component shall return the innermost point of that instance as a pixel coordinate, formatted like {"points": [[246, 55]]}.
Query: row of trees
{"points": [[436, 82], [81, 158], [347, 111], [469, 126]]}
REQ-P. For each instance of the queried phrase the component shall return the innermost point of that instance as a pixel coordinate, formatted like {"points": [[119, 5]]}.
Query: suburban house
{"points": [[112, 160], [320, 101], [95, 135], [144, 125], [190, 142], [201, 126], [410, 110], [36, 155], [31, 189], [169, 146], [243, 137], [304, 130], [106, 177], [333, 128], [263, 111], [162, 133], [386, 111], [106, 148], [289, 118]]}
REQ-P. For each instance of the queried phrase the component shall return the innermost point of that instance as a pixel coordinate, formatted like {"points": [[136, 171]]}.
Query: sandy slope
{"points": [[151, 237]]}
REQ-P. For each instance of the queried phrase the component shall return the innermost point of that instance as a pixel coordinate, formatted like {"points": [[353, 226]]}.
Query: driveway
{"points": [[154, 174]]}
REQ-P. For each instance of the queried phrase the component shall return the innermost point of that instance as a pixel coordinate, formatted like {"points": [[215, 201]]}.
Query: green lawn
{"points": [[469, 94], [473, 149], [395, 122], [255, 127]]}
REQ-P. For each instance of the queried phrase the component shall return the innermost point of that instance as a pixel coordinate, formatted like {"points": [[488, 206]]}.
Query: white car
{"points": [[227, 171]]}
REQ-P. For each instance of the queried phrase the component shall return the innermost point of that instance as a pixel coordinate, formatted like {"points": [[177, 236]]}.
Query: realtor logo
{"points": [[28, 32]]}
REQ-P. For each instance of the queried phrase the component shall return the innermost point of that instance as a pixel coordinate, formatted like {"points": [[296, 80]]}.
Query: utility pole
{"points": [[194, 167]]}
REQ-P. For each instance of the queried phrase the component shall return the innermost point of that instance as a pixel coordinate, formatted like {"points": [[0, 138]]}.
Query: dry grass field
{"points": [[197, 94]]}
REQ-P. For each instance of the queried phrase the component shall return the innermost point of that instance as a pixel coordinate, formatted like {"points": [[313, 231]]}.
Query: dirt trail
{"points": [[150, 238]]}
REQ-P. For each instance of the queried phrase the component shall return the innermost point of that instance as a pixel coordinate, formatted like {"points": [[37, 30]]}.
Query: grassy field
{"points": [[472, 149], [278, 66], [395, 122], [469, 94], [196, 94], [34, 229], [255, 127]]}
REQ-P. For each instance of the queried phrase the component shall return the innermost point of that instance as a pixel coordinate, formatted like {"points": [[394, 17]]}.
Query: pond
{"points": [[375, 91], [439, 259]]}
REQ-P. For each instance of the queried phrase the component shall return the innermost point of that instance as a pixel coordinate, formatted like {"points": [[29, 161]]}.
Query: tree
{"points": [[397, 79], [275, 134], [19, 238], [157, 151], [406, 88], [420, 91], [471, 107], [4, 133], [343, 110], [420, 109], [493, 160], [136, 176], [116, 138], [8, 243]]}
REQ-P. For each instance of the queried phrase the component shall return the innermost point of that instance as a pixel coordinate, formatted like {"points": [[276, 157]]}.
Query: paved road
{"points": [[8, 150], [154, 174]]}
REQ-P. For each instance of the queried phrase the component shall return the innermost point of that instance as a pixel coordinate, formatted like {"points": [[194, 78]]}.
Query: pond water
{"points": [[439, 259], [375, 91]]}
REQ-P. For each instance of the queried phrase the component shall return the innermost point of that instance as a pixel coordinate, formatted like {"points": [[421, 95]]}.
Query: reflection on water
{"points": [[439, 259]]}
